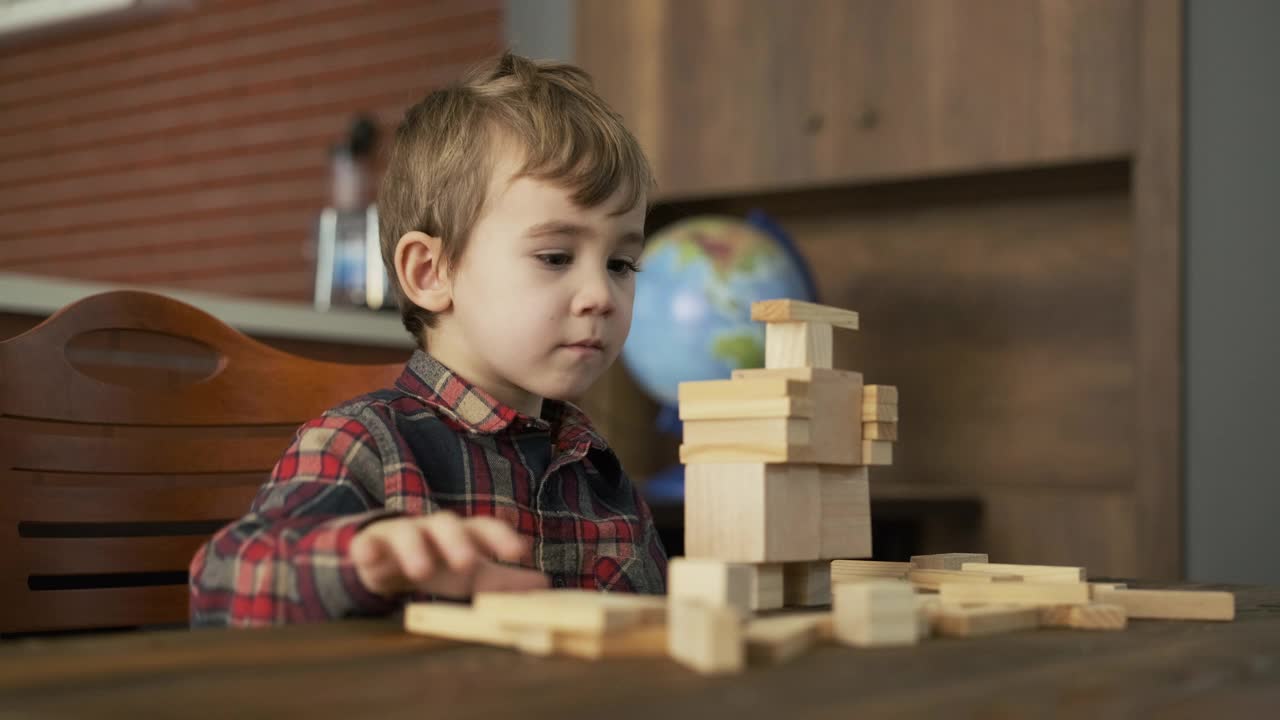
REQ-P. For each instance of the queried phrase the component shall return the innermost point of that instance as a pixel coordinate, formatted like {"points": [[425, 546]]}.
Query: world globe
{"points": [[692, 313]]}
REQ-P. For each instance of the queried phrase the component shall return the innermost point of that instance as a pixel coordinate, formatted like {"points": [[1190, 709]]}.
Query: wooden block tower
{"points": [[776, 458]]}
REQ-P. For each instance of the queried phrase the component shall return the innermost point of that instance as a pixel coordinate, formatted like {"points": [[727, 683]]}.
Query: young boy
{"points": [[512, 216]]}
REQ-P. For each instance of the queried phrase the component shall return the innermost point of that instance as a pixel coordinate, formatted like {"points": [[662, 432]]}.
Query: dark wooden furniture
{"points": [[374, 669], [132, 426], [996, 189]]}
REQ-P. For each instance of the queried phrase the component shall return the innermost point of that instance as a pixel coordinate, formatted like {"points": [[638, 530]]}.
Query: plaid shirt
{"points": [[431, 442]]}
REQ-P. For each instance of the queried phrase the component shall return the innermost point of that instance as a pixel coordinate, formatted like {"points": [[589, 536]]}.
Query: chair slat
{"points": [[119, 505], [41, 610], [88, 556]]}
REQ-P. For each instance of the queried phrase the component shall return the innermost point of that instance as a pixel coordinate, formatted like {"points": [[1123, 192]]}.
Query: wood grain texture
{"points": [[1158, 296], [752, 512], [192, 147], [107, 468], [303, 670], [838, 91]]}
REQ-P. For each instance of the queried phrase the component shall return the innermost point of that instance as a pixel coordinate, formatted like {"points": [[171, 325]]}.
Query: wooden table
{"points": [[374, 669]]}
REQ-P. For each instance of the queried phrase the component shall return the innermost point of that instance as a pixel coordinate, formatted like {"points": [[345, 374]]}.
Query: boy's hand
{"points": [[441, 554]]}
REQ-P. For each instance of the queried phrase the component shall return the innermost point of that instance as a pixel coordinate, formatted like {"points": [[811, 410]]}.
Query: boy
{"points": [[512, 216]]}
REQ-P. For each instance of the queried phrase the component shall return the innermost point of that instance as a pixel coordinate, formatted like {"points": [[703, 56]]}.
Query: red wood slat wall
{"points": [[191, 149]]}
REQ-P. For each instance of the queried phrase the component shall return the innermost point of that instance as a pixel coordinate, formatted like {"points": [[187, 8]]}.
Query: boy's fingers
{"points": [[412, 553], [496, 537], [452, 541]]}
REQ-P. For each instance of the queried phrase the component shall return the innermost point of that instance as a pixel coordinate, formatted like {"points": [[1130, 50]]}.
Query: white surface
{"points": [[35, 295]]}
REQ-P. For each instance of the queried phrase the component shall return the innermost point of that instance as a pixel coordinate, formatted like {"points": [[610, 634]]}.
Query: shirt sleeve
{"points": [[287, 560]]}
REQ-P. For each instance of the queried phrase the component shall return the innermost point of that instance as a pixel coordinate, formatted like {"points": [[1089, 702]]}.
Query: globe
{"points": [[692, 313]]}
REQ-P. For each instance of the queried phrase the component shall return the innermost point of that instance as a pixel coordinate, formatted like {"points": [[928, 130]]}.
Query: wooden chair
{"points": [[132, 427]]}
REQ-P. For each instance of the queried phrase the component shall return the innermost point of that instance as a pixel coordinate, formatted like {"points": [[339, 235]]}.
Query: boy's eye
{"points": [[555, 259], [623, 267]]}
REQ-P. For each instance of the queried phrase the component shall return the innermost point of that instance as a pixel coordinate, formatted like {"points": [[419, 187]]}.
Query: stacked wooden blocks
{"points": [[776, 460]]}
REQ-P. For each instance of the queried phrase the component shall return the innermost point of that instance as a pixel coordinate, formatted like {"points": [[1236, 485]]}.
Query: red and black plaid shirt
{"points": [[432, 442]]}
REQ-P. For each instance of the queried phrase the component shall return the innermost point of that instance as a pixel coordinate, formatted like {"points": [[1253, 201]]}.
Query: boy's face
{"points": [[542, 299]]}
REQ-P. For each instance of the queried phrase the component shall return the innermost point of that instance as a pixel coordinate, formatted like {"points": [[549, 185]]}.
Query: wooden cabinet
{"points": [[734, 96]]}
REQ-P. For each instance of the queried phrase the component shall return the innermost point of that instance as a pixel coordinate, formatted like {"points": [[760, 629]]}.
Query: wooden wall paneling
{"points": [[835, 91], [1157, 280], [192, 148]]}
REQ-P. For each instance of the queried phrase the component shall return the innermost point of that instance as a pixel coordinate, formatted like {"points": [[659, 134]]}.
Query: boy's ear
{"points": [[423, 276]]}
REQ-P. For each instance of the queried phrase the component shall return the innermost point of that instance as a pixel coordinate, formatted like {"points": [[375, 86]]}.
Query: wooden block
{"points": [[1091, 616], [1172, 604], [809, 375], [747, 409], [797, 344], [1095, 588], [571, 610], [845, 499], [880, 431], [879, 412], [715, 582], [877, 452], [752, 512], [805, 584], [533, 640], [770, 387], [875, 394], [1014, 593], [831, 436], [956, 621], [632, 642], [946, 561], [766, 586], [707, 639], [787, 310], [1033, 573], [875, 613], [775, 640], [932, 579], [861, 570], [455, 622]]}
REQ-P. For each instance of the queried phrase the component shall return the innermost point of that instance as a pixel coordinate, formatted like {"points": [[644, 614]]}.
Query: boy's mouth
{"points": [[586, 346]]}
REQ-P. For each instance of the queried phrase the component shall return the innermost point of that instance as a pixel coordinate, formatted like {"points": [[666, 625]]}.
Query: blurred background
{"points": [[1057, 218]]}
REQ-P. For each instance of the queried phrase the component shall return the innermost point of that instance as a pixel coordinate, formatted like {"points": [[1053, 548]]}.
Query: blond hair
{"points": [[442, 157]]}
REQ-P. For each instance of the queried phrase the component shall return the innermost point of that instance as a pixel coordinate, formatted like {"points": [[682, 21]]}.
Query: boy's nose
{"points": [[594, 298]]}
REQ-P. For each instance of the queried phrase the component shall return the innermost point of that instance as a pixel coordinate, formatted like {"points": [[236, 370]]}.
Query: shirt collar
{"points": [[475, 410]]}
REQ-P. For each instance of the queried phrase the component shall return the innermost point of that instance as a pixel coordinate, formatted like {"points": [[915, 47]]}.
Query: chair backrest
{"points": [[133, 426]]}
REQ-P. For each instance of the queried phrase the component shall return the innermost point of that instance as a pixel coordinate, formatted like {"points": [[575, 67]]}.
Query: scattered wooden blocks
{"points": [[455, 622], [752, 512], [708, 639], [965, 621], [946, 561], [570, 610], [1172, 604], [860, 570], [805, 584], [933, 579], [1014, 593], [845, 500], [1034, 573], [715, 582], [1091, 616], [875, 613], [775, 640]]}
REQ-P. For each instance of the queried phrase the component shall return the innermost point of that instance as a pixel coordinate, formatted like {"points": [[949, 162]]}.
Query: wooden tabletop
{"points": [[374, 669]]}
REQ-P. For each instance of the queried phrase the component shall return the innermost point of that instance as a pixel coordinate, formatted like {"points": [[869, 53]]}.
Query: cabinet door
{"points": [[734, 96]]}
